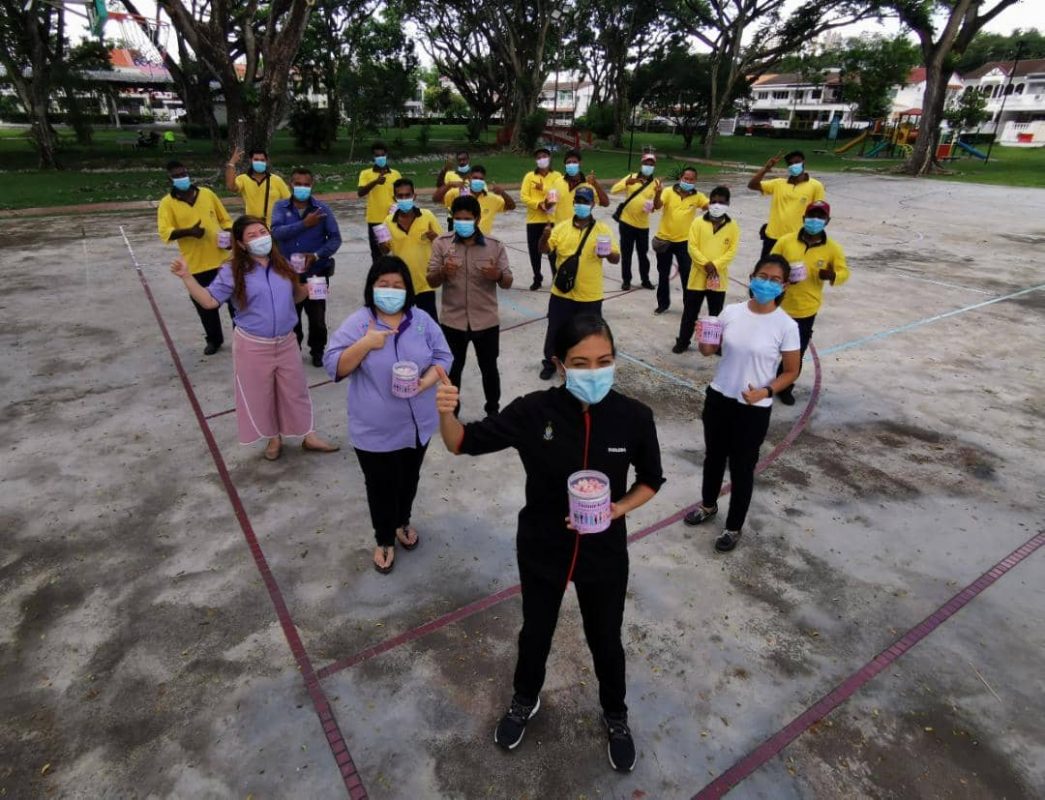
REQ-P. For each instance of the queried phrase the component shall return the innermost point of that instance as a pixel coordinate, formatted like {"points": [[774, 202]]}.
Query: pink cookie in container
{"points": [[589, 492], [405, 379], [709, 331]]}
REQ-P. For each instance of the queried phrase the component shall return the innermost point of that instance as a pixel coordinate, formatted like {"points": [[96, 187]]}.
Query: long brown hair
{"points": [[243, 262]]}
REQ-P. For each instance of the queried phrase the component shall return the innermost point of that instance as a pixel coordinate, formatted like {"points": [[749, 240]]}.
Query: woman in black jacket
{"points": [[581, 425]]}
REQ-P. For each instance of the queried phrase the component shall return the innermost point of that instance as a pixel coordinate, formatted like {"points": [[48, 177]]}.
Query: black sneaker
{"points": [[787, 397], [625, 286], [512, 726], [621, 747], [660, 310], [317, 361], [535, 285], [699, 515], [680, 347], [547, 371], [648, 285], [727, 541], [211, 349]]}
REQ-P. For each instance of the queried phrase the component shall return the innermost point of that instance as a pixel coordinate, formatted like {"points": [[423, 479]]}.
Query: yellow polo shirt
{"points": [[381, 197], [452, 178], [803, 299], [719, 247], [413, 246], [533, 191], [253, 194], [633, 213], [677, 214], [564, 241], [200, 254], [564, 210], [491, 205], [787, 208]]}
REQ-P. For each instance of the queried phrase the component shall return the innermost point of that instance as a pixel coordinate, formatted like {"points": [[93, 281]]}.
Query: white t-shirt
{"points": [[751, 348]]}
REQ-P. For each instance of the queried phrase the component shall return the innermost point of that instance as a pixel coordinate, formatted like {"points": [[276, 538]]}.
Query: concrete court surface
{"points": [[142, 655]]}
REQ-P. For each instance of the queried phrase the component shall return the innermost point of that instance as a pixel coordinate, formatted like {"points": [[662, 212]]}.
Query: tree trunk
{"points": [[621, 114], [923, 157]]}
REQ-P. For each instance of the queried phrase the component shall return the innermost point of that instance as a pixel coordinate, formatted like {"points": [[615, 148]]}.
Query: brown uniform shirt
{"points": [[469, 297]]}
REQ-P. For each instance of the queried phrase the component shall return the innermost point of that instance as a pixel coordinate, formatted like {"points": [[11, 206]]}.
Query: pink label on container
{"points": [[590, 507], [382, 234], [297, 262], [225, 239], [647, 206], [552, 197], [603, 245], [405, 379], [317, 288], [714, 283], [798, 272], [709, 331]]}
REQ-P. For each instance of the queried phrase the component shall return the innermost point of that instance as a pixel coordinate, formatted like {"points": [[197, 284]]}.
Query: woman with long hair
{"points": [[272, 397]]}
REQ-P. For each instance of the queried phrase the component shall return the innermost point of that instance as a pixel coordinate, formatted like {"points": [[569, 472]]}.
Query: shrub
{"points": [[531, 127], [598, 120], [309, 126]]}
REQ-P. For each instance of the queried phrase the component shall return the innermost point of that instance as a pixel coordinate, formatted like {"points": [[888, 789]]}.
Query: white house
{"points": [[565, 99], [1015, 100], [787, 100], [908, 98]]}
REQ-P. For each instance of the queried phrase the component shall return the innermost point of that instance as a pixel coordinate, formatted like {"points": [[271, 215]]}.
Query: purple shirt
{"points": [[269, 311], [377, 420]]}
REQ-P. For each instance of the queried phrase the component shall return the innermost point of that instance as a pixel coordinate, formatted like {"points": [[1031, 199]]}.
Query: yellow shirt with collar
{"points": [[564, 240], [709, 245], [633, 213], [533, 191], [564, 209], [200, 254], [253, 194], [677, 214], [380, 198], [803, 299], [413, 246], [491, 205], [787, 208]]}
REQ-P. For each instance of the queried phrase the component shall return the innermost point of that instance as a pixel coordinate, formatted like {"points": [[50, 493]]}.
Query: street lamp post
{"points": [[1004, 97], [556, 16]]}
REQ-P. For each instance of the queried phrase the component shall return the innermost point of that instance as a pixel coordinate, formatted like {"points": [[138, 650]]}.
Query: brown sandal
{"points": [[388, 567], [408, 545]]}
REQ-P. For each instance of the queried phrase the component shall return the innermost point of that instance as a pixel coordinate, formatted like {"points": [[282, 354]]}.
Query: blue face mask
{"points": [[686, 186], [590, 385], [581, 211], [796, 169], [573, 169], [765, 291], [464, 169], [478, 186], [406, 205], [391, 301], [259, 166], [647, 169], [302, 193], [182, 184], [465, 228], [814, 226], [380, 161]]}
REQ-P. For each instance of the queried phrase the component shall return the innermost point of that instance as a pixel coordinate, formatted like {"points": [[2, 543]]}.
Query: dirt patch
{"points": [[668, 399]]}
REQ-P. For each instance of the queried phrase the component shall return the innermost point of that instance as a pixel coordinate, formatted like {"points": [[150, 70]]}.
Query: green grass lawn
{"points": [[107, 171]]}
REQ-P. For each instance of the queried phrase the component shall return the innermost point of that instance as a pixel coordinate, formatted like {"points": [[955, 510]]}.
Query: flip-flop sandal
{"points": [[406, 545], [388, 568]]}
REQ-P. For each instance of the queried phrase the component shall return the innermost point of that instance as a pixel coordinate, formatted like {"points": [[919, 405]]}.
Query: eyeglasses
{"points": [[771, 278]]}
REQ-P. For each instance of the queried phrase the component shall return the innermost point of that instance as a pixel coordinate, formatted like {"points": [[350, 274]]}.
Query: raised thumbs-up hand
{"points": [[446, 394]]}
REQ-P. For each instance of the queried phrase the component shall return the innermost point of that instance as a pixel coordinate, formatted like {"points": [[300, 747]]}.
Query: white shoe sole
{"points": [[536, 707], [609, 755]]}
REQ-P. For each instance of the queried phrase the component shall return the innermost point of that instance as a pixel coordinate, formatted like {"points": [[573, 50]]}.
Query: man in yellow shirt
{"points": [[632, 218], [192, 216], [539, 212], [572, 178], [713, 241], [375, 184], [790, 197], [824, 262], [585, 296], [413, 230], [679, 205], [492, 198], [260, 188], [454, 173]]}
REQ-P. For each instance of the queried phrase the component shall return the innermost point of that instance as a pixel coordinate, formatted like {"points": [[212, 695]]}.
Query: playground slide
{"points": [[878, 148], [968, 148], [850, 144]]}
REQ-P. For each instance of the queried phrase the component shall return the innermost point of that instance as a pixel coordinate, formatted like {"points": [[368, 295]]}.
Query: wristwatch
{"points": [[768, 389]]}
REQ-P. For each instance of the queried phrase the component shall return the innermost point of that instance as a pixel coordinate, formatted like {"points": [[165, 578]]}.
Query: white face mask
{"points": [[542, 163], [717, 210], [261, 246]]}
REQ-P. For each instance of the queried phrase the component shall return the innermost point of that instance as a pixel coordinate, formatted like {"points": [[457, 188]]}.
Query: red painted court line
{"points": [[232, 410], [772, 746], [349, 774], [494, 599]]}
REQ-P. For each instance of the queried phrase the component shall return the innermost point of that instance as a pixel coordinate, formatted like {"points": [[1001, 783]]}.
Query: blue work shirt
{"points": [[292, 236]]}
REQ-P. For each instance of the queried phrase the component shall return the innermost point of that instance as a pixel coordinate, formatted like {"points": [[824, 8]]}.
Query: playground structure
{"points": [[895, 139]]}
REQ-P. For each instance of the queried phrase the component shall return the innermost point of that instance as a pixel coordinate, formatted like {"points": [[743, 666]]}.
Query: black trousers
{"points": [[391, 486], [375, 251], [561, 311], [692, 299], [487, 343], [637, 239], [602, 610], [767, 243], [426, 302], [210, 317], [805, 334], [534, 231], [677, 250], [316, 311], [733, 433]]}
